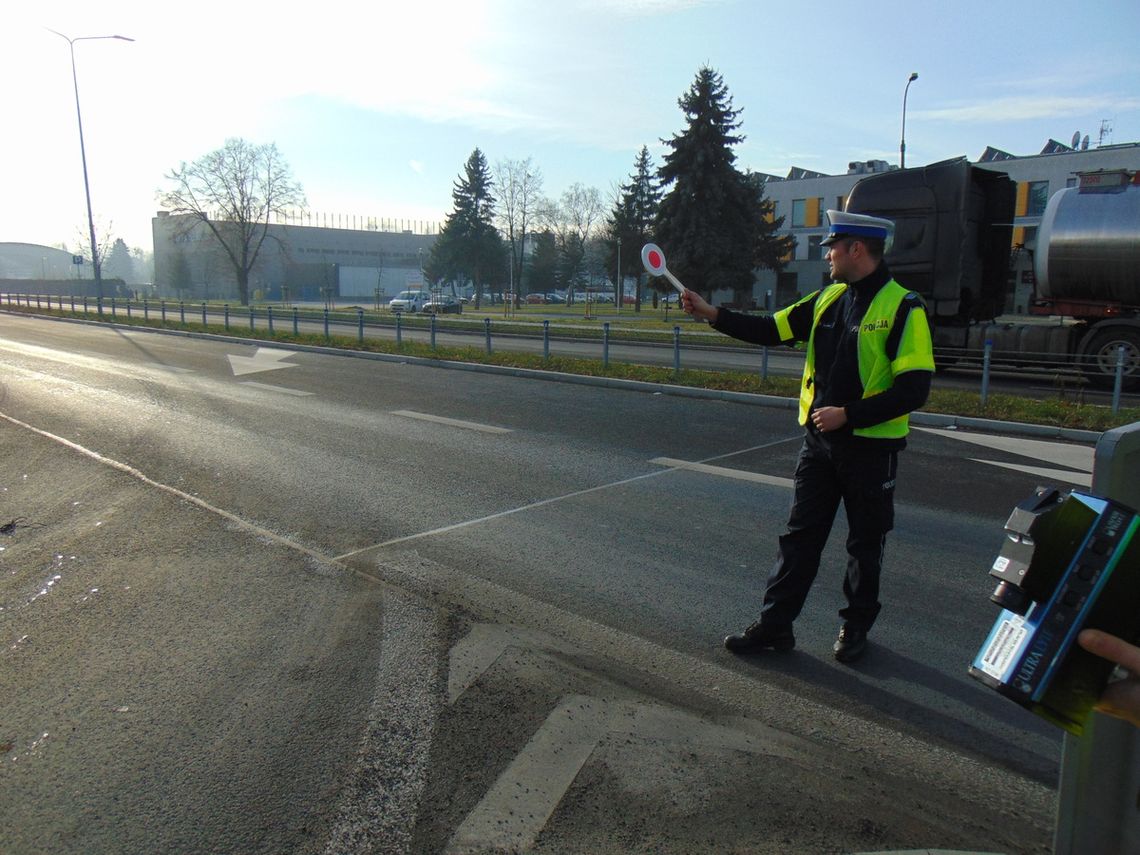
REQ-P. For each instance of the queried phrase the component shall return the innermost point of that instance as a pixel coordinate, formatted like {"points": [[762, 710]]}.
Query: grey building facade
{"points": [[300, 263]]}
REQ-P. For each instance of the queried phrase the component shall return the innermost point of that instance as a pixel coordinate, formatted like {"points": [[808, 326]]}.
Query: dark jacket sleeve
{"points": [[762, 329], [909, 392]]}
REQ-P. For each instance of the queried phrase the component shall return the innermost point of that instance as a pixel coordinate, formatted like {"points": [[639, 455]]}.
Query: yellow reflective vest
{"points": [[876, 369]]}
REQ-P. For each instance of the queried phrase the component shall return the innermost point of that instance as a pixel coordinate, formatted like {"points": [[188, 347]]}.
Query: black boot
{"points": [[851, 644], [759, 637]]}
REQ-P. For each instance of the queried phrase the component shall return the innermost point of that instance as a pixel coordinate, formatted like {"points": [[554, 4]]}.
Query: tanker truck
{"points": [[952, 244]]}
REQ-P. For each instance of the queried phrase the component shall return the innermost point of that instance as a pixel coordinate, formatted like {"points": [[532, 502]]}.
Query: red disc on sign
{"points": [[653, 259]]}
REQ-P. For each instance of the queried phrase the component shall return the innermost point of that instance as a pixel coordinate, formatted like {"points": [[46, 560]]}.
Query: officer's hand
{"points": [[828, 419], [696, 305], [1122, 698]]}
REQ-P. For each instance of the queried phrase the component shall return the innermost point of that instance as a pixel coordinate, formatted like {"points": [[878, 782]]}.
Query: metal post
{"points": [[676, 350], [269, 318], [163, 309], [399, 329], [986, 372], [326, 322], [204, 321], [226, 315], [433, 325], [902, 139], [295, 332], [1118, 383], [360, 325], [764, 363], [606, 344], [181, 311], [487, 330], [128, 307], [251, 325], [112, 306], [1098, 796], [546, 339], [146, 308]]}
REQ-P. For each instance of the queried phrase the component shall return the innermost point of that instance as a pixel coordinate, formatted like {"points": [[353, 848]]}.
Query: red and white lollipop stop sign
{"points": [[654, 261]]}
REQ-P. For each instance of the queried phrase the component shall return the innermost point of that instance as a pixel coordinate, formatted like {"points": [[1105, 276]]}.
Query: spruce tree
{"points": [[468, 246], [711, 221], [631, 221]]}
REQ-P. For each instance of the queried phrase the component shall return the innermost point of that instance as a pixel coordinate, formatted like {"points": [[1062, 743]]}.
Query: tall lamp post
{"points": [[619, 284], [902, 142], [96, 265]]}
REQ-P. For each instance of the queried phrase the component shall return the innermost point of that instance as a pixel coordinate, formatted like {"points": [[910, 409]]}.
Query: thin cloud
{"points": [[1024, 108]]}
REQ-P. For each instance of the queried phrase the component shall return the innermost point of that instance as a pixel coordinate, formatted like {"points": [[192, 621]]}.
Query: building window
{"points": [[799, 207], [815, 251], [1038, 197]]}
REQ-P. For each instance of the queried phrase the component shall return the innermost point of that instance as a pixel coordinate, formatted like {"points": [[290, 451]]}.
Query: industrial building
{"points": [[357, 260]]}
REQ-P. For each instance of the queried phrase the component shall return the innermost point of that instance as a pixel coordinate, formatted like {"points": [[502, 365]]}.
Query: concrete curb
{"points": [[918, 418]]}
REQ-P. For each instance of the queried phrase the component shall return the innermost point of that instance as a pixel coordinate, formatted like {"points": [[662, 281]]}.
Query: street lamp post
{"points": [[96, 265], [618, 284], [902, 142]]}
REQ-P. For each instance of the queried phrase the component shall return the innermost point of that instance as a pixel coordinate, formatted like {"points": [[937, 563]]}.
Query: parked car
{"points": [[409, 301], [443, 304], [536, 298]]}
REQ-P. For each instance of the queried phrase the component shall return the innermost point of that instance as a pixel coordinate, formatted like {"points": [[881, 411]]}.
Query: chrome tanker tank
{"points": [[1088, 245]]}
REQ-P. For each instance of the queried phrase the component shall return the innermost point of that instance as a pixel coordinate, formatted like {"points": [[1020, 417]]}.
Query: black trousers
{"points": [[862, 476]]}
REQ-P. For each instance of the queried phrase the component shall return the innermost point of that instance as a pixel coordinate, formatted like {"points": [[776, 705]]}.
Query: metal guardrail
{"points": [[1067, 373]]}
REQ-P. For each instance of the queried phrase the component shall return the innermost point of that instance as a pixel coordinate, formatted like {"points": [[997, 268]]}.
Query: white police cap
{"points": [[844, 225]]}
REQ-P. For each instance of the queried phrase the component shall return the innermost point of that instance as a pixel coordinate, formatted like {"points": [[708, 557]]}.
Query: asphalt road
{"points": [[645, 520]]}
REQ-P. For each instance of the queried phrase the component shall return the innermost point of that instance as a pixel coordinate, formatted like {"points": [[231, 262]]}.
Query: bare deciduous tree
{"points": [[573, 220], [233, 192], [519, 184]]}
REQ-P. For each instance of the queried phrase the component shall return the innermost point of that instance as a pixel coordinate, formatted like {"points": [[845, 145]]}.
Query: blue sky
{"points": [[377, 106]]}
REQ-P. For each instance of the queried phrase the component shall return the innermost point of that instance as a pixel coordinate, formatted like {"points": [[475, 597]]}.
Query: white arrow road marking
{"points": [[264, 359], [514, 811], [1078, 457], [1081, 479]]}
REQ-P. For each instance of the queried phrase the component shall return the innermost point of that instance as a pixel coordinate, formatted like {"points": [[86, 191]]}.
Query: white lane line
{"points": [[501, 514], [542, 503], [427, 417], [723, 472], [268, 388]]}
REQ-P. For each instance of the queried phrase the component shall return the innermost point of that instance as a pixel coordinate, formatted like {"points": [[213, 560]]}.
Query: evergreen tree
{"points": [[711, 222], [631, 221], [469, 247], [118, 263], [542, 264]]}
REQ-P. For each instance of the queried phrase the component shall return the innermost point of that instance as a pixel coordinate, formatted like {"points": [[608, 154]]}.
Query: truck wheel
{"points": [[1102, 352]]}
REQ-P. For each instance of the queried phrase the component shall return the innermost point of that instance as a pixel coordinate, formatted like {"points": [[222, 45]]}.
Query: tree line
{"points": [[504, 235]]}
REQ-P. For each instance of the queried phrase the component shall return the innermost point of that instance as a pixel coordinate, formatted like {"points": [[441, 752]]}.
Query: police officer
{"points": [[868, 364]]}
